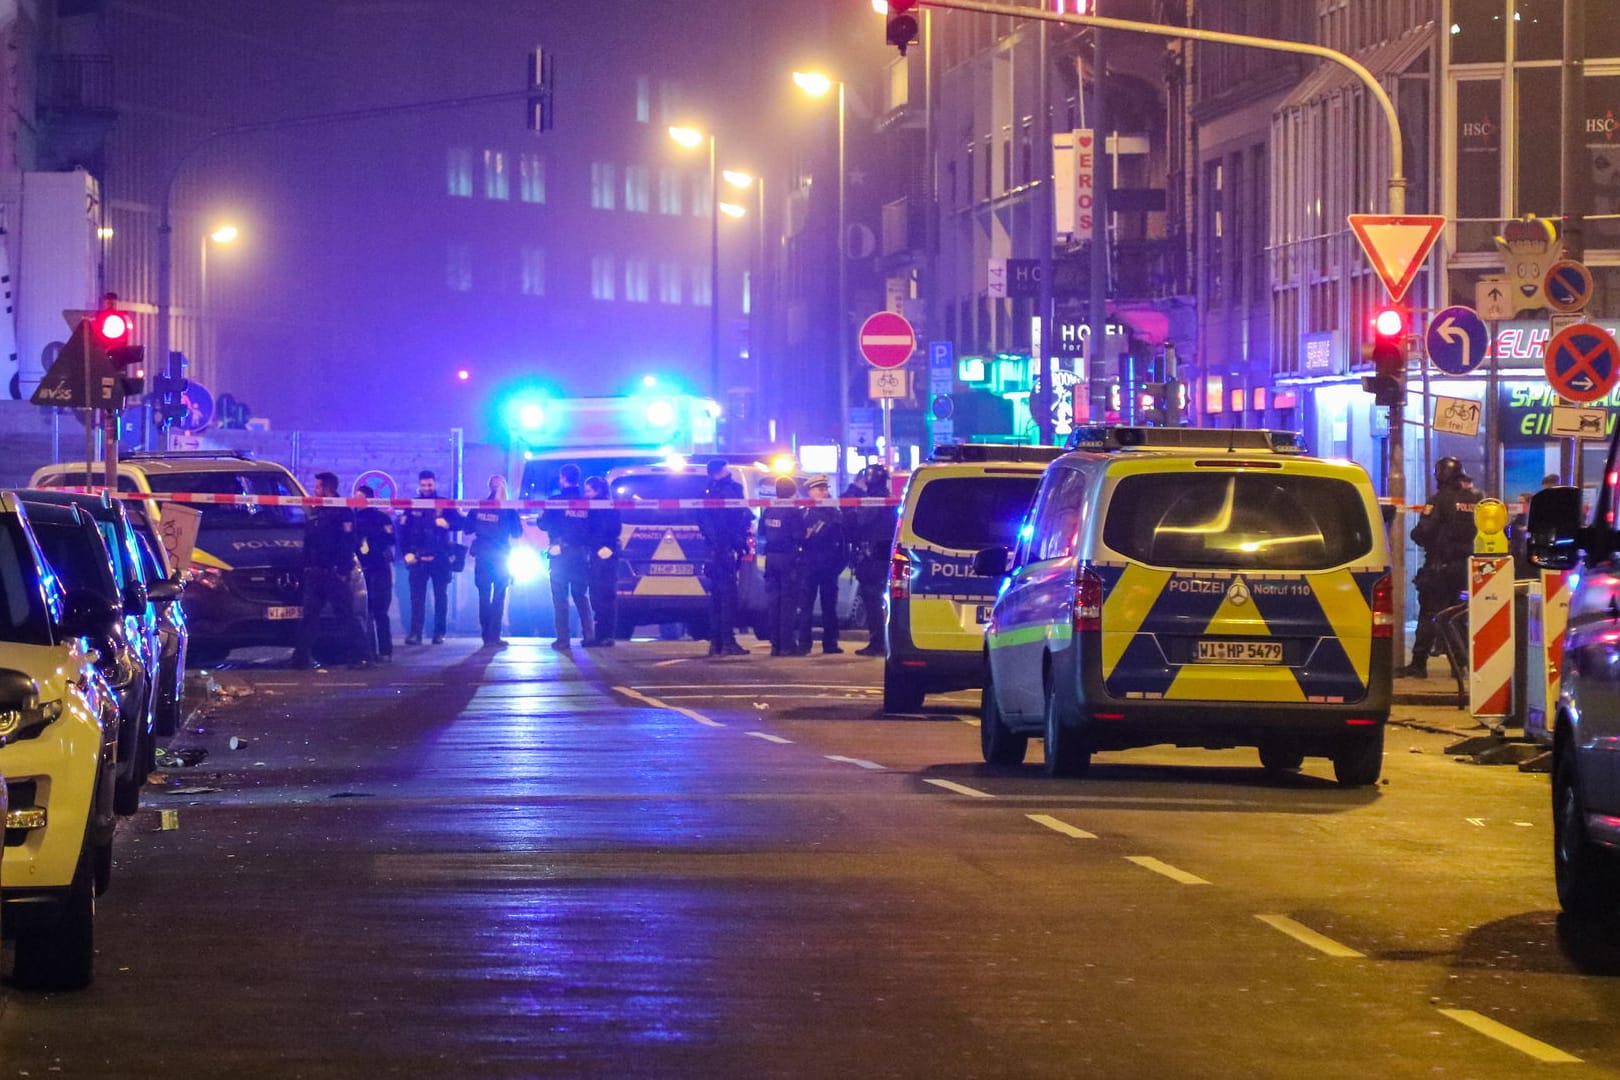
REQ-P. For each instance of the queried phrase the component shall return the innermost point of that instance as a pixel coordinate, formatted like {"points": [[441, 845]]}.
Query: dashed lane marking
{"points": [[1148, 862], [1306, 936], [768, 737], [1505, 1035], [862, 762], [960, 789], [655, 703], [1061, 826]]}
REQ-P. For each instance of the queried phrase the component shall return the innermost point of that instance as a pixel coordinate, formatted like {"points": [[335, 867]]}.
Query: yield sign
{"points": [[1396, 245], [1582, 362], [887, 340]]}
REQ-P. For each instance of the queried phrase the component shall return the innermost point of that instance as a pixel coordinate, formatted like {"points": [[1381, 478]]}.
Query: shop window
{"points": [[1479, 163], [1538, 189], [1478, 31], [1538, 29], [1603, 152]]}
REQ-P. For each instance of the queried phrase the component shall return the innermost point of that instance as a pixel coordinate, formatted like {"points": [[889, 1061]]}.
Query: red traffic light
{"points": [[112, 327], [902, 24], [1389, 322]]}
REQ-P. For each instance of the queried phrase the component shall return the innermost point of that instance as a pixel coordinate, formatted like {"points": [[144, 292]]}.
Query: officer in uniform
{"points": [[376, 531], [781, 531], [1445, 532], [825, 556], [425, 536], [493, 531], [726, 532], [331, 543], [570, 549], [603, 528], [871, 538]]}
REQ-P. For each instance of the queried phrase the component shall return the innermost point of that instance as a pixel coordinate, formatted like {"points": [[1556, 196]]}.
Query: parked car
{"points": [[59, 724], [165, 589]]}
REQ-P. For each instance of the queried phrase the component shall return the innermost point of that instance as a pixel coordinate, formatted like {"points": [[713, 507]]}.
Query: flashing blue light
{"points": [[649, 381], [661, 414], [525, 565], [531, 417]]}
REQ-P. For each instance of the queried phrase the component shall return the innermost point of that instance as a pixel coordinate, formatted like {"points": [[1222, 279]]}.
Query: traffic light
{"points": [[112, 328], [902, 24], [1386, 348], [168, 398], [129, 361], [1162, 403]]}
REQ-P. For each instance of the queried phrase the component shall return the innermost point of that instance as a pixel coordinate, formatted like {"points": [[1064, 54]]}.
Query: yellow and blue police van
{"points": [[1200, 588], [969, 496]]}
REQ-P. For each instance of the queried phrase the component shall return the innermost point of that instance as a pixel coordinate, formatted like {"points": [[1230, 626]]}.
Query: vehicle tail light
{"points": [[1383, 608], [1088, 600], [899, 575], [209, 577]]}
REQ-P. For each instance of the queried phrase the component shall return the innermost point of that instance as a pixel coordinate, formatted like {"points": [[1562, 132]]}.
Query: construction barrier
{"points": [[1546, 655], [1490, 636]]}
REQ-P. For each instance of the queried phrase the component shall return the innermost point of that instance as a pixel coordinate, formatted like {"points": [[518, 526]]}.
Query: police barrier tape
{"points": [[310, 502]]}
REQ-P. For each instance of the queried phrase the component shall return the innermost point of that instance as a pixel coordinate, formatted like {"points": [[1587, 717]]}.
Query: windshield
{"points": [[648, 487], [1238, 521], [23, 618], [237, 482], [78, 556], [969, 513]]}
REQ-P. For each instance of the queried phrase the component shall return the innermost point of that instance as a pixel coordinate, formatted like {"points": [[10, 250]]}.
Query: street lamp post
{"points": [[757, 273], [691, 138], [818, 85], [225, 234]]}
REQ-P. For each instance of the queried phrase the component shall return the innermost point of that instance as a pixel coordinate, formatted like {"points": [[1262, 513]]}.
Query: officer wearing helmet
{"points": [[1445, 532], [871, 539]]}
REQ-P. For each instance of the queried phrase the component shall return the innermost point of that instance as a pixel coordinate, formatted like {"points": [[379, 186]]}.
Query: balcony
{"points": [[905, 227]]}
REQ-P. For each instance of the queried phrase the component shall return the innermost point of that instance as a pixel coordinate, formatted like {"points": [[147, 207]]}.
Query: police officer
{"points": [[825, 556], [726, 532], [1445, 532], [493, 531], [602, 527], [871, 538], [425, 536], [376, 531], [330, 546], [781, 531], [570, 547]]}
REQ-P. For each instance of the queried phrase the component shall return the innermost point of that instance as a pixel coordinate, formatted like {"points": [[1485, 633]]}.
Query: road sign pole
{"points": [[1493, 423], [888, 434]]}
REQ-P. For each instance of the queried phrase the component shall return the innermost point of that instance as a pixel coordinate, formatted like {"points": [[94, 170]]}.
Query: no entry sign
{"points": [[887, 340]]}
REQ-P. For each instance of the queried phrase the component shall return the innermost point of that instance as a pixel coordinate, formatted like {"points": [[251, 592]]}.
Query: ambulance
{"points": [[1201, 588]]}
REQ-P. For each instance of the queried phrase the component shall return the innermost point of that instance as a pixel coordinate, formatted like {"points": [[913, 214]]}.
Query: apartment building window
{"points": [[603, 191], [531, 178], [643, 99], [637, 280], [496, 182], [669, 102], [458, 267], [669, 283], [532, 272], [1214, 200], [702, 294], [636, 184], [989, 171], [602, 281], [669, 191], [458, 171]]}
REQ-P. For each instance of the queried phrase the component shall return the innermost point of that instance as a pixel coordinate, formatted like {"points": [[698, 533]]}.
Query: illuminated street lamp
{"points": [[222, 234], [692, 138]]}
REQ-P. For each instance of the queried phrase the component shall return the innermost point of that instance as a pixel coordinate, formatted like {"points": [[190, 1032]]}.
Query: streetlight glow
{"points": [[813, 82], [691, 138], [737, 179], [880, 6], [225, 234], [732, 210]]}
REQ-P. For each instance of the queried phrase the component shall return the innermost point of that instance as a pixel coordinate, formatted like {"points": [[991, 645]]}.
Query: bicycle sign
{"points": [[1456, 416], [1582, 362]]}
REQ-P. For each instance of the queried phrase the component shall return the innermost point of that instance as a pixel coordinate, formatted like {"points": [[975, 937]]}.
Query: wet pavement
{"points": [[642, 862]]}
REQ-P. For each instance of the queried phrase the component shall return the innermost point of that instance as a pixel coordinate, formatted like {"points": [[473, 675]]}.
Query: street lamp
{"points": [[691, 138], [818, 85], [223, 234]]}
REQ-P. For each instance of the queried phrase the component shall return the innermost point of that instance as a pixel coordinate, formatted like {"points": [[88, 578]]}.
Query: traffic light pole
{"points": [[1395, 478]]}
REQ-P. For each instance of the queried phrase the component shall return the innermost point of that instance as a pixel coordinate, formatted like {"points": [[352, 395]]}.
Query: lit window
{"points": [[496, 185], [702, 294], [636, 183], [603, 192], [602, 285], [643, 99], [458, 268], [748, 292], [669, 191], [636, 278], [669, 283], [458, 171], [532, 276], [669, 103], [531, 178]]}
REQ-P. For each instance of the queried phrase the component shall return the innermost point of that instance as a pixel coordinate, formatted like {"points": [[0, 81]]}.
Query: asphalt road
{"points": [[647, 863]]}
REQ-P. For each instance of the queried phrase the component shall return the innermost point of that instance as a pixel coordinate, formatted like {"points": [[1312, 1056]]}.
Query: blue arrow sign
{"points": [[1458, 340]]}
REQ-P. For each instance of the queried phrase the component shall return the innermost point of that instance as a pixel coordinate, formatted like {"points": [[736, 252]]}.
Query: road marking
{"points": [[1061, 826], [655, 703], [762, 687], [862, 762], [970, 721], [960, 789], [672, 663], [768, 737], [1525, 824], [1148, 862], [1519, 1041], [1477, 822], [1305, 935]]}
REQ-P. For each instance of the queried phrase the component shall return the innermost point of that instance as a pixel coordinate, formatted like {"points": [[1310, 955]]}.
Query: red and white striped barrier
{"points": [[1554, 621], [358, 503], [1490, 635]]}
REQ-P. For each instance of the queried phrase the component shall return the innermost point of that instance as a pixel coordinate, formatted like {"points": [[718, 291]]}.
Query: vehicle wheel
{"points": [[1359, 760], [102, 854], [62, 955], [1280, 757], [1066, 754], [996, 742], [1587, 877], [901, 692]]}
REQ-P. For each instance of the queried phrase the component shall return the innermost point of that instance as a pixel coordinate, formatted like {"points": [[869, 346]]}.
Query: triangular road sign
{"points": [[64, 383], [1396, 245]]}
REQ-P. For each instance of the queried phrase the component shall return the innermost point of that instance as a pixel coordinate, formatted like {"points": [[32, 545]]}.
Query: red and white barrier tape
{"points": [[357, 503]]}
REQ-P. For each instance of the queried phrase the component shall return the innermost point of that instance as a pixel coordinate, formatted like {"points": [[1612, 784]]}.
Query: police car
{"points": [[969, 497], [1204, 588]]}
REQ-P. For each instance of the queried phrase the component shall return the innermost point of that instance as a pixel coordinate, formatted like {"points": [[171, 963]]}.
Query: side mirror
{"points": [[135, 598], [1554, 534], [991, 562], [164, 591], [87, 614]]}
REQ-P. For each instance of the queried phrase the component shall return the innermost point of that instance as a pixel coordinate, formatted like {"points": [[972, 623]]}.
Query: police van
{"points": [[969, 496], [1203, 588]]}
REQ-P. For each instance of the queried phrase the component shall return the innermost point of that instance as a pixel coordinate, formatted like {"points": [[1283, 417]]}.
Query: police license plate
{"points": [[671, 569], [284, 613], [1239, 652]]}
